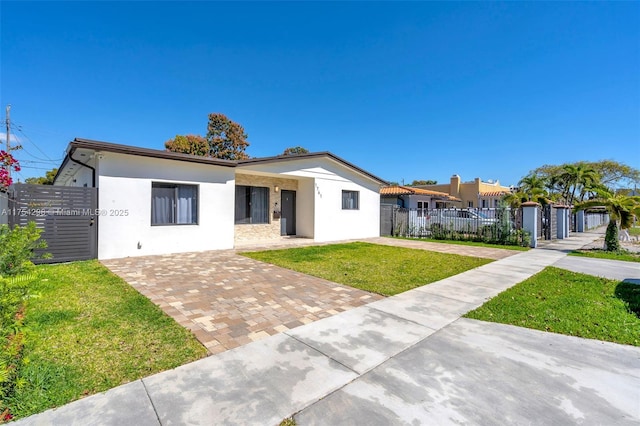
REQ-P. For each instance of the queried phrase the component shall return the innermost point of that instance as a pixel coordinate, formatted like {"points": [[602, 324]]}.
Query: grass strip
{"points": [[625, 256], [466, 243], [570, 303]]}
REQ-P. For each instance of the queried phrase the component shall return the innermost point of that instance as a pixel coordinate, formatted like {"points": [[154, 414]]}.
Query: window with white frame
{"points": [[174, 204], [422, 206], [470, 204], [350, 200], [252, 204]]}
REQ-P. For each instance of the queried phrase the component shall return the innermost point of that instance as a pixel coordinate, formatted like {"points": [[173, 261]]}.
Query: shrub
{"points": [[17, 247], [611, 237], [13, 292]]}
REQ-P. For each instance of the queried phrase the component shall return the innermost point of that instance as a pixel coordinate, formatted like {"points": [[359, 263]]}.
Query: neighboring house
{"points": [[159, 202], [472, 194], [415, 198]]}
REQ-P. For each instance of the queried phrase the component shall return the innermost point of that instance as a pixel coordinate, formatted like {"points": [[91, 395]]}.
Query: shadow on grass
{"points": [[629, 291]]}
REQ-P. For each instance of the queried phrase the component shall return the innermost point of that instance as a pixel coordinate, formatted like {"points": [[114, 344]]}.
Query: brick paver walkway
{"points": [[228, 300]]}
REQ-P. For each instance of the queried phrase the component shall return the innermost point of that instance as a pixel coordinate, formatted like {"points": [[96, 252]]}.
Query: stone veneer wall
{"points": [[269, 231]]}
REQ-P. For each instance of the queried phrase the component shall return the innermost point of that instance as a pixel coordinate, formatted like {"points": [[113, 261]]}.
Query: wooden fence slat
{"points": [[64, 216]]}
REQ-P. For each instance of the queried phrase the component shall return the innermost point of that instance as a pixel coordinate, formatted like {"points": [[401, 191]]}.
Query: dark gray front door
{"points": [[288, 213]]}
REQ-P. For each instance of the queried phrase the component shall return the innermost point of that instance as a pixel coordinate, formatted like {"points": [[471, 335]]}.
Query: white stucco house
{"points": [[158, 202]]}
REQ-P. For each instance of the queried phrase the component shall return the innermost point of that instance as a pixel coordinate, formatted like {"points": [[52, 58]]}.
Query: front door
{"points": [[288, 219]]}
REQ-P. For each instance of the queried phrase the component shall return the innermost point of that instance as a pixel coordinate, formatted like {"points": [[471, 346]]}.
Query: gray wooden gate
{"points": [[386, 220], [66, 215]]}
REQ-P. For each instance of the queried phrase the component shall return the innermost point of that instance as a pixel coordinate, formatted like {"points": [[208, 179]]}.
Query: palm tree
{"points": [[576, 177], [533, 187], [515, 199], [622, 209]]}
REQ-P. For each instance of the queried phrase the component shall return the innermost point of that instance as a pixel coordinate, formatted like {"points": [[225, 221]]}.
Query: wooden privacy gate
{"points": [[67, 216]]}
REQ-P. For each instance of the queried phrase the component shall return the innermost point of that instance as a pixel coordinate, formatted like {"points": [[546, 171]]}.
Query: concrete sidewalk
{"points": [[405, 359], [611, 269]]}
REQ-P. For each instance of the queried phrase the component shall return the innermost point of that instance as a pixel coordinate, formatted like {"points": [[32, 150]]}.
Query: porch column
{"points": [[580, 220], [530, 221]]}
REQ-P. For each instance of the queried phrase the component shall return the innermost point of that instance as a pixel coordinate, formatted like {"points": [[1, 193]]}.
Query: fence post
{"points": [[4, 208], [580, 224], [562, 221], [530, 221]]}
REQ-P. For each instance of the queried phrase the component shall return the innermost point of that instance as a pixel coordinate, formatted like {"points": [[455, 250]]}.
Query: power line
{"points": [[19, 129], [37, 162], [34, 168]]}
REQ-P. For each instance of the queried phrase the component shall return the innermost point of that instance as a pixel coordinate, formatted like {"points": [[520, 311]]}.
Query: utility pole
{"points": [[8, 126], [8, 134]]}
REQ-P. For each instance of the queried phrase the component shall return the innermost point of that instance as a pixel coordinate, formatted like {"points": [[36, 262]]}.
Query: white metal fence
{"points": [[500, 225], [594, 220]]}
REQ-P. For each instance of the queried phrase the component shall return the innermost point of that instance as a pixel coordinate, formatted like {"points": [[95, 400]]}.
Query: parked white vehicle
{"points": [[460, 220]]}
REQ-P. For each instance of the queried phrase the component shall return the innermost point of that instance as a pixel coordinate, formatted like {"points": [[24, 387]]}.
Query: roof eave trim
{"points": [[146, 152], [323, 154]]}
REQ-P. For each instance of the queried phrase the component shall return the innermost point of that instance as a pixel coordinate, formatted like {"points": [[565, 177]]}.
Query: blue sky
{"points": [[404, 90]]}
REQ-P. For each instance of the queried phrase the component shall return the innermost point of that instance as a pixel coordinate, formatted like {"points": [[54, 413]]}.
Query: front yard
{"points": [[376, 268], [89, 331], [564, 302]]}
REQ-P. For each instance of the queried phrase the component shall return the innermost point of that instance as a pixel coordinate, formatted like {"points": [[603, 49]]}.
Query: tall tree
{"points": [[423, 182], [47, 179], [532, 188], [515, 199], [612, 174], [227, 139], [189, 144], [295, 150], [578, 177]]}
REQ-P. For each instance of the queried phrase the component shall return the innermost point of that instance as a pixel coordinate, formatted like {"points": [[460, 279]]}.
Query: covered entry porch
{"points": [[272, 209]]}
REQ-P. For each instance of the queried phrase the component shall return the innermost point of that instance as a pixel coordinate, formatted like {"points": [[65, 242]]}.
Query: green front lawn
{"points": [[635, 231], [376, 268], [89, 331], [569, 303], [625, 256]]}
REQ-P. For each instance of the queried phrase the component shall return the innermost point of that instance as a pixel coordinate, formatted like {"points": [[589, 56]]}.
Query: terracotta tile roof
{"points": [[407, 190]]}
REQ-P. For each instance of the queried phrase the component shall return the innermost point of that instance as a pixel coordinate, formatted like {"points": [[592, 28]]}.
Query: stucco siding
{"points": [[125, 201], [334, 223], [330, 178], [305, 208]]}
